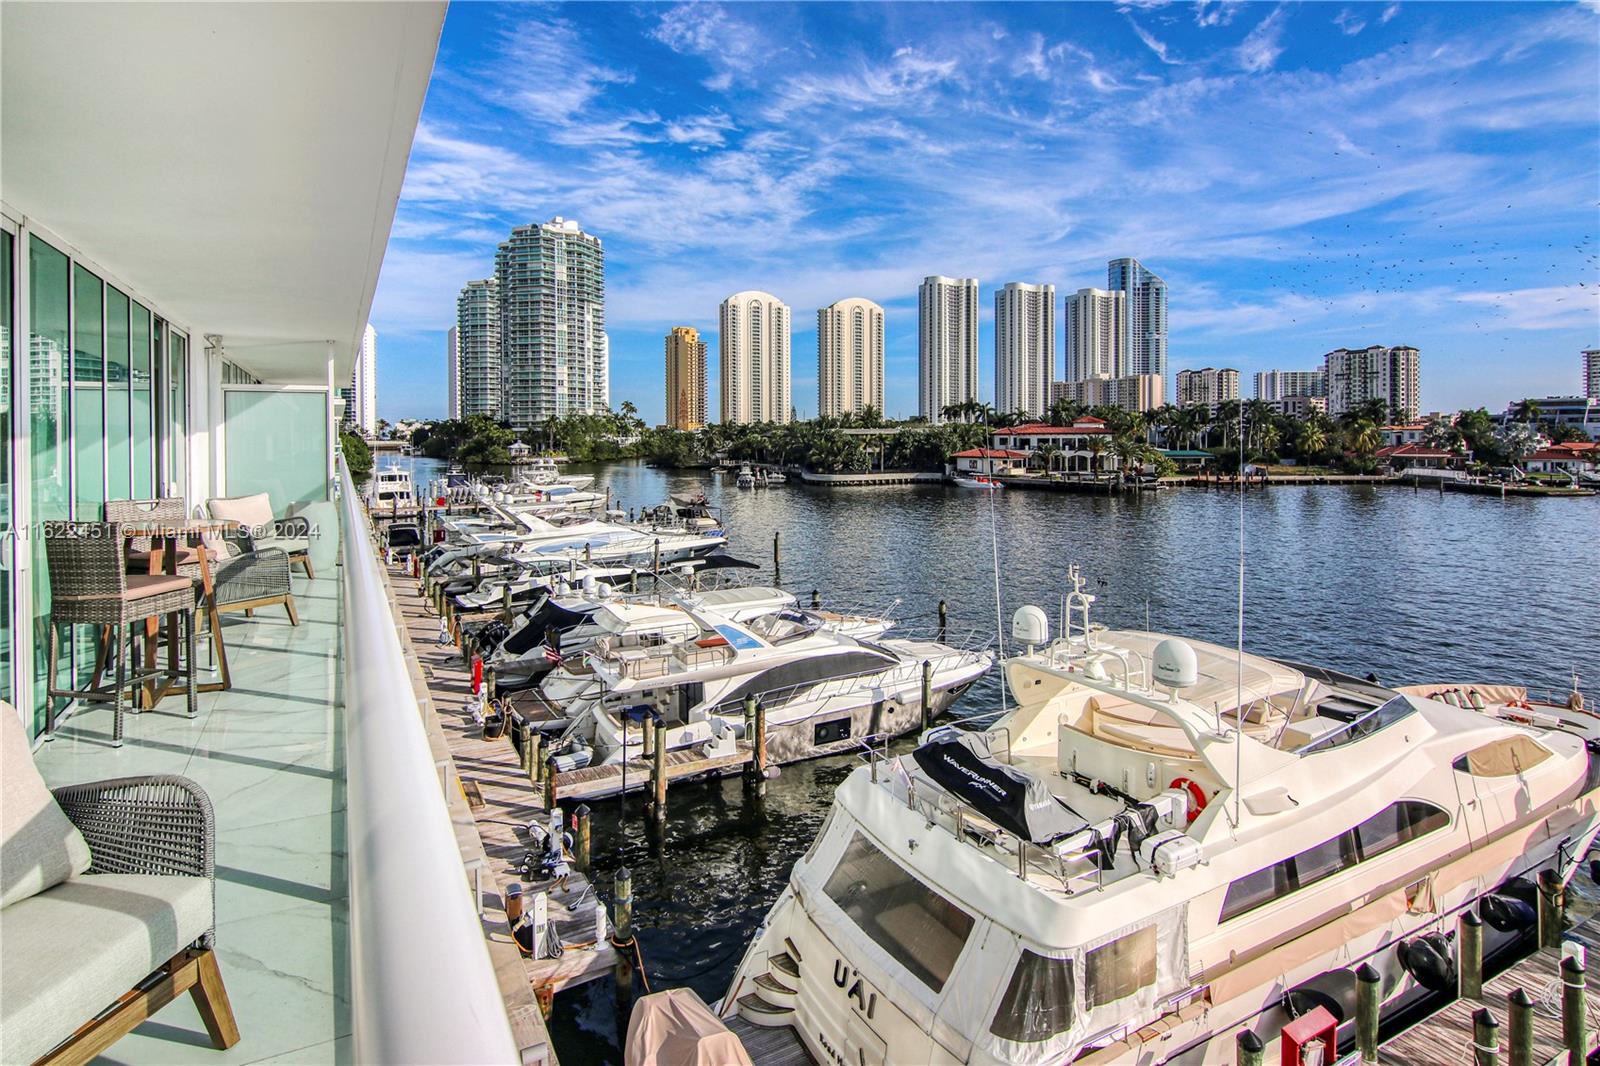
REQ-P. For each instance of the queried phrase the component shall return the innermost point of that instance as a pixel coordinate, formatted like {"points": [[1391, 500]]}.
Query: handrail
{"points": [[422, 987]]}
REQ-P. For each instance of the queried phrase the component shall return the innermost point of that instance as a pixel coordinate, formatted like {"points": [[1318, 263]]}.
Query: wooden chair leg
{"points": [[211, 1000], [305, 561], [294, 615]]}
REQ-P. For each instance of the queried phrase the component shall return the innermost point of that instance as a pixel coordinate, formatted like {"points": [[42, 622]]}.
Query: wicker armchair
{"points": [[123, 923], [90, 585]]}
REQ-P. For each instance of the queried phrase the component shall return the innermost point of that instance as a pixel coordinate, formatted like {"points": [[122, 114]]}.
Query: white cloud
{"points": [[1153, 43], [700, 131], [1349, 22], [1261, 48], [1215, 12], [1388, 13]]}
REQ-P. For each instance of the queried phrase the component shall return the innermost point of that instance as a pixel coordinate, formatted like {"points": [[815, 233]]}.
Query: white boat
{"points": [[543, 470], [823, 692], [1160, 845], [389, 487], [975, 481], [777, 477], [747, 478]]}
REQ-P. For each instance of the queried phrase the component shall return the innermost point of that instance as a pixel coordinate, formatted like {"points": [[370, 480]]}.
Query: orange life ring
{"points": [[1196, 793]]}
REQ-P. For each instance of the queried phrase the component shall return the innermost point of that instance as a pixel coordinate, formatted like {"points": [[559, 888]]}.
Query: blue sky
{"points": [[1305, 176]]}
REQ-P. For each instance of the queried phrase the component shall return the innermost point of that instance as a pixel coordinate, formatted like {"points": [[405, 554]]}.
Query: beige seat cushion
{"points": [[252, 511], [140, 560], [291, 545], [39, 847], [71, 951], [142, 585]]}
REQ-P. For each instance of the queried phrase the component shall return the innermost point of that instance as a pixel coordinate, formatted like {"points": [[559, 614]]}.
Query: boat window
{"points": [[1397, 824], [1362, 726], [1038, 1001], [1119, 969], [920, 929], [1503, 757]]}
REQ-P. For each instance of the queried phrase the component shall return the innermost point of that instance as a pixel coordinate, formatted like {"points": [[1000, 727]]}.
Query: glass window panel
{"points": [[1325, 860], [920, 929], [1038, 1001], [177, 409], [49, 282], [143, 411], [119, 425], [1119, 969], [1397, 824], [7, 295], [1257, 890], [277, 443], [88, 394]]}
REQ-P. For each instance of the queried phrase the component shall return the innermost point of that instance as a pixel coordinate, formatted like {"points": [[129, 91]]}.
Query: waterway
{"points": [[1412, 586]]}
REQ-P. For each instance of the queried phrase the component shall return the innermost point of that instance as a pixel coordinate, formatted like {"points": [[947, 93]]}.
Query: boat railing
{"points": [[413, 998]]}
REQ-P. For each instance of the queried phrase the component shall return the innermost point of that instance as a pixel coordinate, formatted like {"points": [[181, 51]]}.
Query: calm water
{"points": [[1414, 587]]}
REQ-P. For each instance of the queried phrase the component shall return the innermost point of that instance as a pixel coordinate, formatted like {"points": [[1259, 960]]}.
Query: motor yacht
{"points": [[1161, 843], [543, 470], [390, 487], [746, 478], [822, 691]]}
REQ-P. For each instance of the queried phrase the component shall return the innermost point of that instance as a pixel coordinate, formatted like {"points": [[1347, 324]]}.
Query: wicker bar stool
{"points": [[89, 585]]}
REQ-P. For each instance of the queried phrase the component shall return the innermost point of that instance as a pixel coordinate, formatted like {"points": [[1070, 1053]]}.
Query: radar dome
{"points": [[1175, 664], [1030, 625]]}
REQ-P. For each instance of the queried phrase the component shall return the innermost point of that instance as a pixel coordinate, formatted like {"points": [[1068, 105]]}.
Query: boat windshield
{"points": [[1362, 725]]}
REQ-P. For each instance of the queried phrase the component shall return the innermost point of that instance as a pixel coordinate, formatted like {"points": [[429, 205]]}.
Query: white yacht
{"points": [[390, 487], [1161, 844], [747, 478], [823, 691], [543, 470]]}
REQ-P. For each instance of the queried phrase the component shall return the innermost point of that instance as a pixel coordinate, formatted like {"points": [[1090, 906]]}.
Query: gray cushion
{"points": [[39, 847], [287, 544], [71, 951]]}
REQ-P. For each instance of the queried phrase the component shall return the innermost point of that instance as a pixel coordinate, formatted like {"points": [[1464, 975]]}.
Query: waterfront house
{"points": [[1069, 446], [989, 461], [1403, 433], [1574, 457], [195, 201], [1405, 457]]}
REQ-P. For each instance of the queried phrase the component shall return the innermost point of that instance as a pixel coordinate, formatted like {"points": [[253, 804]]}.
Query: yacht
{"points": [[390, 487], [823, 691], [541, 470], [1161, 844], [747, 478]]}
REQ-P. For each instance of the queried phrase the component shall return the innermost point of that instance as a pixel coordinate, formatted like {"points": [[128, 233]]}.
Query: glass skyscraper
{"points": [[1144, 345]]}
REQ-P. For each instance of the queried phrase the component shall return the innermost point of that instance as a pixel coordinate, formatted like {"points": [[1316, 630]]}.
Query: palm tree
{"points": [[1365, 437], [1313, 439], [1096, 447], [1049, 453], [1064, 412]]}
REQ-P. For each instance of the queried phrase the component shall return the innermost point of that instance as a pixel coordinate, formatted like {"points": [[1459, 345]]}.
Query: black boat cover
{"points": [[726, 562], [1017, 802], [546, 617]]}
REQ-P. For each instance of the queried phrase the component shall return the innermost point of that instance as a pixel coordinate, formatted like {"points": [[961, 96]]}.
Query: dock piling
{"points": [[1485, 1038], [622, 937], [489, 683], [1520, 1049], [655, 566], [816, 598], [549, 784], [759, 744], [535, 758], [1469, 956], [1574, 1009], [777, 565], [1369, 1001], [658, 772], [927, 693], [505, 603], [582, 841], [1552, 909], [1251, 1051], [944, 619]]}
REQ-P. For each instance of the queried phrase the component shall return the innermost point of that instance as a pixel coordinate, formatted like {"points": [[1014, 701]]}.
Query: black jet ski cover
{"points": [[1017, 802]]}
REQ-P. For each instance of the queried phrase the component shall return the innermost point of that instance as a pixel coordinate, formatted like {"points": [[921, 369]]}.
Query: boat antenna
{"points": [[1238, 704], [994, 550]]}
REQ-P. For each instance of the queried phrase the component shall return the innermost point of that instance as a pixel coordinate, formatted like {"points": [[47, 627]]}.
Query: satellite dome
{"points": [[1175, 664], [1030, 625]]}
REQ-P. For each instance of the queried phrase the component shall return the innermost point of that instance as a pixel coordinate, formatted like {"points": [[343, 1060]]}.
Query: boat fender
{"points": [[1427, 959], [1197, 796], [1506, 914]]}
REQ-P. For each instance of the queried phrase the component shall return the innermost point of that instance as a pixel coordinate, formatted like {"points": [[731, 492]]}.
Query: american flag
{"points": [[552, 656]]}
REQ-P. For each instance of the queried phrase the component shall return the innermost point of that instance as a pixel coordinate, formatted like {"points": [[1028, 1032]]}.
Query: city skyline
{"points": [[1379, 201]]}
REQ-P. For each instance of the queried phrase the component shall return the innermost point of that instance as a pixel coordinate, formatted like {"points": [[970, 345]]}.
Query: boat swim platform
{"points": [[500, 802], [1445, 1038], [777, 1045]]}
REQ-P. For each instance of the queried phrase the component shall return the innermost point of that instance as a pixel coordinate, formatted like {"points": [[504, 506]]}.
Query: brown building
{"points": [[686, 378]]}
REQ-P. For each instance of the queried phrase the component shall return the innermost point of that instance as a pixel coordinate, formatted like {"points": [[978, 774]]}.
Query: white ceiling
{"points": [[237, 164]]}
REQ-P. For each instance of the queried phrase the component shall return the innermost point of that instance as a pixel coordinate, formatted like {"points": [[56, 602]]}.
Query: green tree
{"points": [[357, 456]]}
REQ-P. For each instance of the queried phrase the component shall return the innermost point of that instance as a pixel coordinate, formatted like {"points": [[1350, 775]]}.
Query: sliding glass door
{"points": [[8, 314]]}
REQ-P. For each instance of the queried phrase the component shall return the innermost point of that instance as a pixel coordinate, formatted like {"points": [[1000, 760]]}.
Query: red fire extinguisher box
{"points": [[1311, 1040]]}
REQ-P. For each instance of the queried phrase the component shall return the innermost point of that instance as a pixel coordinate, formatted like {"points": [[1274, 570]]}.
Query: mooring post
{"points": [[525, 745], [1251, 1051], [505, 603], [536, 758], [489, 683], [927, 693], [777, 565], [816, 598], [658, 771], [1469, 955], [944, 619], [1574, 1009], [588, 554], [581, 842], [1369, 1000], [622, 937], [1552, 909], [1520, 1042], [649, 736], [550, 784], [655, 567], [1485, 1038], [760, 744]]}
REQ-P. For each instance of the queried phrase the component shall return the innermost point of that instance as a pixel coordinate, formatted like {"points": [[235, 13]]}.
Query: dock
{"points": [[1445, 1037], [502, 803], [603, 782]]}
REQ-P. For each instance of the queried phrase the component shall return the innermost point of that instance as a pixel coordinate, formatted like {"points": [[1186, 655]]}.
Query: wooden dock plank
{"points": [[510, 803], [1445, 1038], [601, 782]]}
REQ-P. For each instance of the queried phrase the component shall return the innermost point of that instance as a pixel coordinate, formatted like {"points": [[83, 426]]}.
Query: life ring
{"points": [[1197, 795]]}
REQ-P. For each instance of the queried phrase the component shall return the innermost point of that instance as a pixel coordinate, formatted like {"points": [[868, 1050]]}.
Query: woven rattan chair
{"points": [[243, 576], [115, 914], [90, 585]]}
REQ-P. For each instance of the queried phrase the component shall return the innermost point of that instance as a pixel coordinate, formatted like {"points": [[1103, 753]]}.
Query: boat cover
{"points": [[549, 615], [674, 1028], [1017, 802]]}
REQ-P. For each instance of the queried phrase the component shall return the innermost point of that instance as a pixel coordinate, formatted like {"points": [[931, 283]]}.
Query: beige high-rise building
{"points": [[1208, 385], [1356, 375], [1024, 347], [1131, 392], [686, 378], [1096, 327], [947, 344], [753, 343], [849, 357]]}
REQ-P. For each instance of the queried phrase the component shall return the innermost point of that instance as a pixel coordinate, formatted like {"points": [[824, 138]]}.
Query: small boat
{"points": [[976, 481], [777, 477], [747, 478]]}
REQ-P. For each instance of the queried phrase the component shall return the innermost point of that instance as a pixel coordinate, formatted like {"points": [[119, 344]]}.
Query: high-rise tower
{"points": [[1024, 347], [947, 344], [686, 378], [753, 343], [478, 349], [849, 357], [1144, 344], [1097, 324]]}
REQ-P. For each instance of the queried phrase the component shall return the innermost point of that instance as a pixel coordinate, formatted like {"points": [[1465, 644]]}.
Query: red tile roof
{"points": [[1413, 451], [1560, 453], [1039, 429], [989, 453]]}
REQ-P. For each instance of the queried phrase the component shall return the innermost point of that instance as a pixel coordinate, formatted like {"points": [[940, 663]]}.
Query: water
{"points": [[1412, 586]]}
